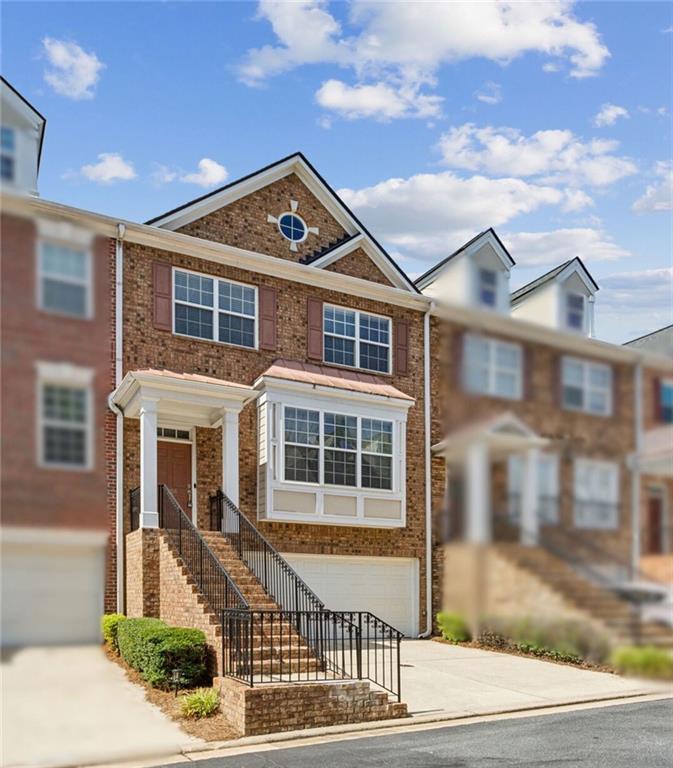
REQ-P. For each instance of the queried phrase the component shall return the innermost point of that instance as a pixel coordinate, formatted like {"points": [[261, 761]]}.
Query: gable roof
{"points": [[25, 105], [490, 234], [577, 266], [298, 164]]}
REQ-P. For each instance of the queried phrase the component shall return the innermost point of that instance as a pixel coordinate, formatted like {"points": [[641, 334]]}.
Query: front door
{"points": [[174, 469], [655, 519]]}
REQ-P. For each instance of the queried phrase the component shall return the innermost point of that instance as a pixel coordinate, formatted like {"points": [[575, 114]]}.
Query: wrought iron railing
{"points": [[280, 581], [211, 578], [306, 646]]}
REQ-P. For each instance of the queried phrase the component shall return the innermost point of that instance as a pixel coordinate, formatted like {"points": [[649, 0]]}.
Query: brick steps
{"points": [[614, 613]]}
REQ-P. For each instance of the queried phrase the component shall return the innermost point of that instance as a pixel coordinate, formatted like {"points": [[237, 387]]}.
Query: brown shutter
{"points": [[267, 317], [314, 329], [401, 341], [161, 281], [658, 415]]}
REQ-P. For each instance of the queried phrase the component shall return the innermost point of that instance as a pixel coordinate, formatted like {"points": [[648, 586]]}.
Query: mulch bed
{"points": [[513, 650], [214, 728]]}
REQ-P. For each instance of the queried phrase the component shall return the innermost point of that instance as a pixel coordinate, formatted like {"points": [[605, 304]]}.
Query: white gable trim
{"points": [[575, 268]]}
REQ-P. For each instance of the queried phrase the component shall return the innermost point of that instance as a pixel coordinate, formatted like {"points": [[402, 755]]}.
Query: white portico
{"points": [[470, 451], [163, 399]]}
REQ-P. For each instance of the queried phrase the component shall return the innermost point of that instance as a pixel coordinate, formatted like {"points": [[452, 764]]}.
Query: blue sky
{"points": [[550, 122]]}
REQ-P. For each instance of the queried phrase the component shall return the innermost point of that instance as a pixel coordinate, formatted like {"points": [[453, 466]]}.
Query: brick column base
{"points": [[142, 573]]}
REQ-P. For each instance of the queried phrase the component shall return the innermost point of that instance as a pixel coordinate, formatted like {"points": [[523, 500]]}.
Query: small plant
{"points": [[110, 627], [645, 661], [453, 627], [203, 702]]}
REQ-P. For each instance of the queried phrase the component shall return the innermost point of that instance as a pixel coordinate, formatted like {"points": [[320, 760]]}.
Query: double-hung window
{"points": [[586, 386], [65, 415], [7, 153], [547, 487], [356, 339], [219, 310], [574, 310], [64, 279], [487, 287], [337, 449], [492, 367], [596, 492]]}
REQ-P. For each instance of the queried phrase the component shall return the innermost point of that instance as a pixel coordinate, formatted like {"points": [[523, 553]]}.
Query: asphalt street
{"points": [[620, 736]]}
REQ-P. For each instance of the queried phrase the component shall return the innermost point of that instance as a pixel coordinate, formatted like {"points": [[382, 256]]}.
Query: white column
{"points": [[230, 455], [530, 523], [149, 511], [478, 496]]}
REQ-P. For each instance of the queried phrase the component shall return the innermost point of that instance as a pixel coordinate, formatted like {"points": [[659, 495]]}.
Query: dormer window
{"points": [[575, 311], [7, 153], [488, 287]]}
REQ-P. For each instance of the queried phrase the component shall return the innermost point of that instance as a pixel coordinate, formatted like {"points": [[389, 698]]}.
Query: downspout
{"points": [[635, 467], [119, 455], [427, 431]]}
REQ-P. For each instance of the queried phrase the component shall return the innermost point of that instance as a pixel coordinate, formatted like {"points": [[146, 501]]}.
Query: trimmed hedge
{"points": [[155, 650], [110, 627]]}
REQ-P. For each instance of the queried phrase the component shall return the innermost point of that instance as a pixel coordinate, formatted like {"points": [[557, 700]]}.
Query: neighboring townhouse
{"points": [[535, 431], [56, 376]]}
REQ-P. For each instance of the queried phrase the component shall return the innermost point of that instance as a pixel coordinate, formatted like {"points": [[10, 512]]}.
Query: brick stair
{"points": [[600, 604]]}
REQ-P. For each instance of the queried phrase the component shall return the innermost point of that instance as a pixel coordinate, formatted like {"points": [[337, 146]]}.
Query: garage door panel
{"points": [[385, 586]]}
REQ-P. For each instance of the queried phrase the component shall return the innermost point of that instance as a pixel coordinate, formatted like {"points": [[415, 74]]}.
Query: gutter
{"points": [[635, 467], [427, 429]]}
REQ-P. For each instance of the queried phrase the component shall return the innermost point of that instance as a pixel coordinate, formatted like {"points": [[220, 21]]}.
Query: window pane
{"points": [[598, 401], [575, 302], [339, 351], [572, 373], [377, 471], [340, 468], [340, 431], [599, 376], [236, 298], [301, 464], [7, 168], [194, 289], [7, 138], [64, 297], [505, 384], [476, 379], [60, 261], [302, 426], [237, 330], [339, 321], [374, 357], [573, 397], [64, 403], [506, 357], [377, 436], [193, 321], [374, 329], [63, 445]]}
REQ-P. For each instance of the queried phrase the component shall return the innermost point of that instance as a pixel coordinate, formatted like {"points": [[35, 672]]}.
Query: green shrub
{"points": [[155, 650], [204, 702], [110, 626], [645, 661], [453, 627]]}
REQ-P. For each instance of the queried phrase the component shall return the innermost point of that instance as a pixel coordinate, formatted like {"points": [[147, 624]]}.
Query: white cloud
{"points": [[404, 44], [489, 93], [379, 101], [162, 174], [429, 215], [658, 197], [209, 174], [110, 167], [559, 245], [609, 114], [633, 303], [73, 72], [556, 156]]}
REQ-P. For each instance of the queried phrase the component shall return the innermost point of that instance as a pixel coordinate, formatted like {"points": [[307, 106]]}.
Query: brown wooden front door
{"points": [[655, 519], [174, 469]]}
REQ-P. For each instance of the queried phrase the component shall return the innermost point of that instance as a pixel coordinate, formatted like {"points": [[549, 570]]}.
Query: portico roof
{"points": [[504, 434], [181, 398]]}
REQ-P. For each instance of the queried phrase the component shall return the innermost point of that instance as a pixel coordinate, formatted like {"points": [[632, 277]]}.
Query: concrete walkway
{"points": [[454, 680], [71, 706]]}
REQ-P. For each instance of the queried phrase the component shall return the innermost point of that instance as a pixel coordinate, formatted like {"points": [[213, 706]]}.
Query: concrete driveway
{"points": [[71, 706], [440, 679]]}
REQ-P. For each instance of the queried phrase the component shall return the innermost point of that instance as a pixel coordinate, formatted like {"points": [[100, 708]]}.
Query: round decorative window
{"points": [[292, 227]]}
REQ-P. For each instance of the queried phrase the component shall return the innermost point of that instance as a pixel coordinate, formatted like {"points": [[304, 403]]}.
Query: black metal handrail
{"points": [[211, 578], [307, 646], [280, 581]]}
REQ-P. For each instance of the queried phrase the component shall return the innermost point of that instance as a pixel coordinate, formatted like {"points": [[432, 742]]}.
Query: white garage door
{"points": [[385, 586], [51, 593]]}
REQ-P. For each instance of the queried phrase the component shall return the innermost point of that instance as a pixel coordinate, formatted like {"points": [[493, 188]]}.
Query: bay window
{"points": [[356, 339]]}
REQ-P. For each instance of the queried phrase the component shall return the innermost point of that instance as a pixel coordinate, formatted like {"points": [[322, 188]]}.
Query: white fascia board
{"points": [[250, 261], [24, 110], [488, 238], [575, 268]]}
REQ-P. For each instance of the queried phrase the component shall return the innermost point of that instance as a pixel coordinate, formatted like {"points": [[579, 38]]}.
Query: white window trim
{"points": [[587, 365], [566, 311], [64, 375], [611, 525], [215, 308], [274, 399], [357, 339], [493, 368], [86, 281]]}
